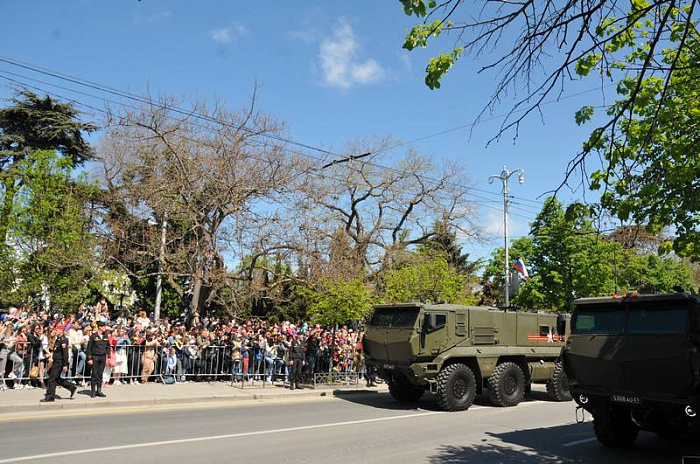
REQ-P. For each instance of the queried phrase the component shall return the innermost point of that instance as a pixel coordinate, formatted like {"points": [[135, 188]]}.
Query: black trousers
{"points": [[98, 367], [56, 379], [295, 378]]}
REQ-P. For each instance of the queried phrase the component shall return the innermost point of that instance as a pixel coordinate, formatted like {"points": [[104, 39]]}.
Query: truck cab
{"points": [[633, 361]]}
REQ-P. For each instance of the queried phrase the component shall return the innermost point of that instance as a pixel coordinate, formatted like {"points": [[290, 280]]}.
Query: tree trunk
{"points": [[6, 209], [196, 291]]}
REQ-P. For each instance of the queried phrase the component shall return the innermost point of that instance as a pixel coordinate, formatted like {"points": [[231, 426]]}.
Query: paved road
{"points": [[349, 429]]}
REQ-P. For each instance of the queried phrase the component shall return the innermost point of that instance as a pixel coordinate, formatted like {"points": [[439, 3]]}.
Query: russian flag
{"points": [[520, 267]]}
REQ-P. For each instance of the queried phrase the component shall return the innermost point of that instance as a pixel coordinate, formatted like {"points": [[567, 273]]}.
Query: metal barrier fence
{"points": [[139, 363]]}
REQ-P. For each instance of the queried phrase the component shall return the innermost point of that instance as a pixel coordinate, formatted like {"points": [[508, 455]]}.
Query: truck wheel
{"points": [[506, 384], [456, 387], [402, 391], [558, 385], [614, 428]]}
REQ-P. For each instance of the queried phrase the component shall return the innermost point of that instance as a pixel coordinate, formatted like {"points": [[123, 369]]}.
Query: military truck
{"points": [[458, 351], [633, 362]]}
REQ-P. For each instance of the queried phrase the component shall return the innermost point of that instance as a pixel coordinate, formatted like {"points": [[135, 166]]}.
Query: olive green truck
{"points": [[456, 352]]}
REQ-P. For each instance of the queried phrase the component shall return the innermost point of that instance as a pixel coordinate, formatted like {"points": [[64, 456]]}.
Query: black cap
{"points": [[100, 324]]}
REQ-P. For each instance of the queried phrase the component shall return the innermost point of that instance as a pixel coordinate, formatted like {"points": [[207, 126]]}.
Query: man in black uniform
{"points": [[297, 354], [59, 364], [97, 349]]}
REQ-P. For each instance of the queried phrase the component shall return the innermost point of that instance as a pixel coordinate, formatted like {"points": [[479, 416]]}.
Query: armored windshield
{"points": [[654, 320], [394, 317], [652, 317], [599, 320]]}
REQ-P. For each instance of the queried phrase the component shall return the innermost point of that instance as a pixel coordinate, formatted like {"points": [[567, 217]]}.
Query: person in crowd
{"points": [[97, 351], [143, 319], [149, 356], [120, 367], [12, 356], [236, 360], [298, 356], [75, 343], [311, 352], [102, 310], [34, 350], [58, 365]]}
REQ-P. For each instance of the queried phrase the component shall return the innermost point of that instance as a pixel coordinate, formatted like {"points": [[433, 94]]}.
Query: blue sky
{"points": [[331, 71]]}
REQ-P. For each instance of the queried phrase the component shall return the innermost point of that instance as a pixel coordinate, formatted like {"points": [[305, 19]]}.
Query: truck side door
{"points": [[433, 332]]}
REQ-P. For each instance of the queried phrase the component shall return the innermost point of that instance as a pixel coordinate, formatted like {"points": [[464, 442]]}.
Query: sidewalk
{"points": [[159, 394]]}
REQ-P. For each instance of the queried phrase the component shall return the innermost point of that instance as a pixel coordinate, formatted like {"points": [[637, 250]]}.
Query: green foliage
{"points": [[584, 114], [340, 301], [54, 251], [651, 156], [439, 66], [568, 259], [417, 7], [428, 278]]}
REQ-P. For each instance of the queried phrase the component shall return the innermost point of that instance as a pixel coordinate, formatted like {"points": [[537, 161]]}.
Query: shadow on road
{"points": [[427, 402], [385, 401], [547, 445]]}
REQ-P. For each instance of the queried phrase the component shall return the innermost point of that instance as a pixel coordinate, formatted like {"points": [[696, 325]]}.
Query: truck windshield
{"points": [[603, 321], [394, 317]]}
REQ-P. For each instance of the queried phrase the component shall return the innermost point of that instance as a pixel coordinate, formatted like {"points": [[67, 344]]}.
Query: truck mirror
{"points": [[561, 324]]}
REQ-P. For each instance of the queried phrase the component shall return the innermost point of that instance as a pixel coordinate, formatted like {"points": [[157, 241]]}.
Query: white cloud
{"points": [[160, 16], [493, 226], [229, 34], [309, 35], [339, 61], [406, 61]]}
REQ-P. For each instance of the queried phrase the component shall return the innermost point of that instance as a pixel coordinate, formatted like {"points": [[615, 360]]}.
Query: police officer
{"points": [[298, 354], [59, 364], [97, 349]]}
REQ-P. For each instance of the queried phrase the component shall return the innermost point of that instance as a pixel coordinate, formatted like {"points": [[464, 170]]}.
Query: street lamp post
{"points": [[504, 176], [161, 257]]}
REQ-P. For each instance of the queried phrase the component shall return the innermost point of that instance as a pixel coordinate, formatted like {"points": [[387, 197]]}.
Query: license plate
{"points": [[388, 366], [626, 399]]}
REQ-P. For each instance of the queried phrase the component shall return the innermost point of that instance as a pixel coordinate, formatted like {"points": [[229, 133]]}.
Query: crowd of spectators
{"points": [[172, 351]]}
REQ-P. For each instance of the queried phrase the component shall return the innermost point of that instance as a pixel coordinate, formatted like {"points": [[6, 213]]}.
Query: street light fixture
{"points": [[504, 176]]}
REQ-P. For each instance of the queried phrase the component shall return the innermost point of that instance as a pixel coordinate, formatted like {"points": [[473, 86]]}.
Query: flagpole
{"points": [[504, 177]]}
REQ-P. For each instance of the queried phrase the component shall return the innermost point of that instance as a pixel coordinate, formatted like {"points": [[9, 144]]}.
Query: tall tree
{"points": [[32, 123], [53, 245], [382, 208], [568, 258], [218, 175]]}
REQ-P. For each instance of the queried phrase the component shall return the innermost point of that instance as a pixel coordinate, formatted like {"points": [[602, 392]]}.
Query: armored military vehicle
{"points": [[633, 362], [458, 351]]}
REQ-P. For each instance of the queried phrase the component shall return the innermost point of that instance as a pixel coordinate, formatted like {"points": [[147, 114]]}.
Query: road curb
{"points": [[62, 405]]}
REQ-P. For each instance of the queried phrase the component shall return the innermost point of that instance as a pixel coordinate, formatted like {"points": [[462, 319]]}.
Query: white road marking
{"points": [[214, 437], [579, 442]]}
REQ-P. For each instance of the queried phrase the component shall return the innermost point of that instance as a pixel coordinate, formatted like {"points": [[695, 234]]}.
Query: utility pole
{"points": [[161, 260], [504, 176]]}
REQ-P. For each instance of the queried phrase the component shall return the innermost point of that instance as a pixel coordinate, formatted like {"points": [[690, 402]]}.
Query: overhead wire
{"points": [[190, 113], [480, 198]]}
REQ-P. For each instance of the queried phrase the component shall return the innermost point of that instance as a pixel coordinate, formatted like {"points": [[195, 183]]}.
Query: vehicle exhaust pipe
{"points": [[690, 412]]}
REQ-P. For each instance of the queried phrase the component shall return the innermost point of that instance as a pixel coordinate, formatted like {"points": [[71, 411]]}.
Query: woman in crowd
{"points": [[120, 366]]}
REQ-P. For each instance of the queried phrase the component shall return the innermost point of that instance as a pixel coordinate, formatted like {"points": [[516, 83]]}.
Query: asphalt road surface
{"points": [[348, 429]]}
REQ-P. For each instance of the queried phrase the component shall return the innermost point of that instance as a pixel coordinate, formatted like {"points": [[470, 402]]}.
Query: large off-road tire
{"points": [[614, 428], [456, 387], [402, 391], [506, 385], [558, 385]]}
